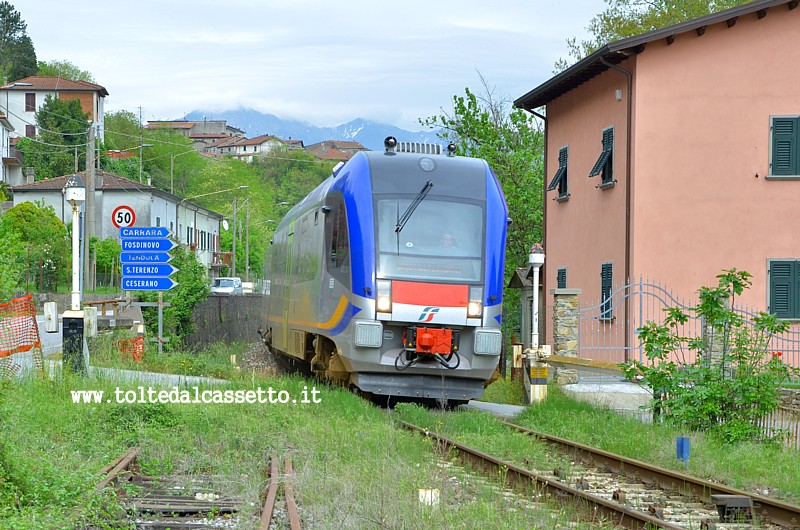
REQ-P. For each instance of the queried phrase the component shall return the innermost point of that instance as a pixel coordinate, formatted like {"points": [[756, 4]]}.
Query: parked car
{"points": [[227, 285]]}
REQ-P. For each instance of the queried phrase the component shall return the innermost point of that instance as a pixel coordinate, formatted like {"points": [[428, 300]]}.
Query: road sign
{"points": [[128, 232], [155, 269], [136, 283], [148, 245], [123, 216], [144, 257]]}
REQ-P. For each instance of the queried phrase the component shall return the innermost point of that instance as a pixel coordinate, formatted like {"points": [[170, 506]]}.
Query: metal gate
{"points": [[608, 328]]}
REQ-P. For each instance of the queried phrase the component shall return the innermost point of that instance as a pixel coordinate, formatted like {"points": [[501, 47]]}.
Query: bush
{"points": [[734, 378]]}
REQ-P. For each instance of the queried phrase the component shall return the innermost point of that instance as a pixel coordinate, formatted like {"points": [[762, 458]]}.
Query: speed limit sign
{"points": [[123, 216]]}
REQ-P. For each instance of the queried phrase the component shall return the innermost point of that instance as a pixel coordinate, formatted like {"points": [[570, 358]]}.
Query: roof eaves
{"points": [[617, 51]]}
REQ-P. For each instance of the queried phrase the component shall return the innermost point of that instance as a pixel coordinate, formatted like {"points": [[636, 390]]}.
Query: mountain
{"points": [[370, 134]]}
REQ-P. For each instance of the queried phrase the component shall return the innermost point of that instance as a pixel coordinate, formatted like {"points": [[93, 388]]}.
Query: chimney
{"points": [[30, 175]]}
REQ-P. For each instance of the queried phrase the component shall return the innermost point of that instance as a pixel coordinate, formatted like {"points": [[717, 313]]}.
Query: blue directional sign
{"points": [[152, 232], [154, 269], [148, 245], [136, 283], [144, 257]]}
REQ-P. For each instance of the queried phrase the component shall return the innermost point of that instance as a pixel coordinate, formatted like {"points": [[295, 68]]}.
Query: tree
{"points": [[16, 49], [24, 60], [64, 69], [192, 288], [11, 262], [47, 245], [107, 253], [511, 141], [61, 140], [122, 130], [626, 18]]}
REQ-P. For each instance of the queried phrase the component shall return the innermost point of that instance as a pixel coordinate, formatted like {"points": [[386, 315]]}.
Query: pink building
{"points": [[675, 154]]}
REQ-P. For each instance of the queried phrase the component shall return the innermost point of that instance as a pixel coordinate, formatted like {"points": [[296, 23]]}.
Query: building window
{"points": [[158, 222], [785, 146], [606, 277], [605, 162], [30, 131], [560, 180], [30, 102], [784, 288], [561, 278]]}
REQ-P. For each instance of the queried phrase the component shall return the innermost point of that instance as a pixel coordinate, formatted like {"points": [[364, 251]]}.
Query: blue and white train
{"points": [[388, 276]]}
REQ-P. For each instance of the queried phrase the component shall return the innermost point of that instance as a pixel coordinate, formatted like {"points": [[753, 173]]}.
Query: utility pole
{"points": [[247, 239], [89, 223], [141, 144], [233, 265]]}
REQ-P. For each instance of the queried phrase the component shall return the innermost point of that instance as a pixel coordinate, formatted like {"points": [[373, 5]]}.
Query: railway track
{"points": [[156, 503], [767, 510], [631, 494]]}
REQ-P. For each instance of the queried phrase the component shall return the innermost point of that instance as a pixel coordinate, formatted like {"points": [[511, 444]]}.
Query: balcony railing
{"points": [[12, 153]]}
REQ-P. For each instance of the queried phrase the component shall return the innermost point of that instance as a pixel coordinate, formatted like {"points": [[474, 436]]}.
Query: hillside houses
{"points": [[216, 138]]}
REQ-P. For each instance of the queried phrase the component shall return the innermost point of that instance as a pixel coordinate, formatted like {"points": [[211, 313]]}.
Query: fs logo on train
{"points": [[427, 314]]}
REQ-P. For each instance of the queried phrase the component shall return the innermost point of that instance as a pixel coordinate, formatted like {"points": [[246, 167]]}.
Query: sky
{"points": [[325, 63]]}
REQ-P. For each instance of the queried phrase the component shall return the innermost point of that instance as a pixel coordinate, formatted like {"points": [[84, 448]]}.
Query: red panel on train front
{"points": [[444, 295]]}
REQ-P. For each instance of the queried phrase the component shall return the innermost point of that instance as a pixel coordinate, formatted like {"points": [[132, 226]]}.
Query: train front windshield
{"points": [[440, 240]]}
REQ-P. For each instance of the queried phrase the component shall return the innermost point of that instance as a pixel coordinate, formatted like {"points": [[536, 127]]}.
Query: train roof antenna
{"points": [[401, 223]]}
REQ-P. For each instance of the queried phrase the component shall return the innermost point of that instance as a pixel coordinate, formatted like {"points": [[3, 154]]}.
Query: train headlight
{"points": [[383, 302], [474, 310], [475, 305]]}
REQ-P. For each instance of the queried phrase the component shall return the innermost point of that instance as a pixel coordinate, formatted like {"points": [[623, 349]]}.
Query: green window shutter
{"points": [[606, 277], [560, 180], [561, 278], [608, 139], [603, 164], [783, 282], [784, 146]]}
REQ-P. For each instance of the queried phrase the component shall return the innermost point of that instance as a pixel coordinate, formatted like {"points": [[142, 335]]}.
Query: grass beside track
{"points": [[354, 468], [766, 469]]}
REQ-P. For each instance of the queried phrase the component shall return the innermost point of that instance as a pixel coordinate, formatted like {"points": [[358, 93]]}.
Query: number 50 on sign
{"points": [[123, 216]]}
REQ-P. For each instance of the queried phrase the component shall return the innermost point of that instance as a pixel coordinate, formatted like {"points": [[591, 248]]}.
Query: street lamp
{"points": [[72, 327], [536, 260]]}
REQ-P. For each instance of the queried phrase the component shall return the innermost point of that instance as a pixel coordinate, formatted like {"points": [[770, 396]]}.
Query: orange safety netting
{"points": [[132, 348], [19, 333]]}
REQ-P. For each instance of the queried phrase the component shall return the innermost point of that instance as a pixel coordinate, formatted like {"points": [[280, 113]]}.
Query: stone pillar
{"points": [[566, 322]]}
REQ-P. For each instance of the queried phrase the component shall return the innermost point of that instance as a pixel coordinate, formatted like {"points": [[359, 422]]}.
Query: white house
{"points": [[11, 168], [250, 148], [21, 99], [191, 224]]}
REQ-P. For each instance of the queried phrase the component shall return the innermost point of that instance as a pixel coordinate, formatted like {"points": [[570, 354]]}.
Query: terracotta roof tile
{"points": [[258, 140], [169, 124], [332, 154], [111, 181], [209, 135], [54, 83]]}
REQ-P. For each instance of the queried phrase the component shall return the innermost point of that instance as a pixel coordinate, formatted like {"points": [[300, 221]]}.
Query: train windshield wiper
{"points": [[401, 222]]}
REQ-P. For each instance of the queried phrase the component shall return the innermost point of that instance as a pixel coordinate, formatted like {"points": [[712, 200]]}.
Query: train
{"points": [[388, 277]]}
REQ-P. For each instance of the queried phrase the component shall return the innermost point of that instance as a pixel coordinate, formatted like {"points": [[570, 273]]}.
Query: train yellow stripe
{"points": [[337, 315]]}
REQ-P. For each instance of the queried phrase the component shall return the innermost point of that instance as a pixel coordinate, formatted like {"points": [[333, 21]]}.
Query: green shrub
{"points": [[734, 378]]}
